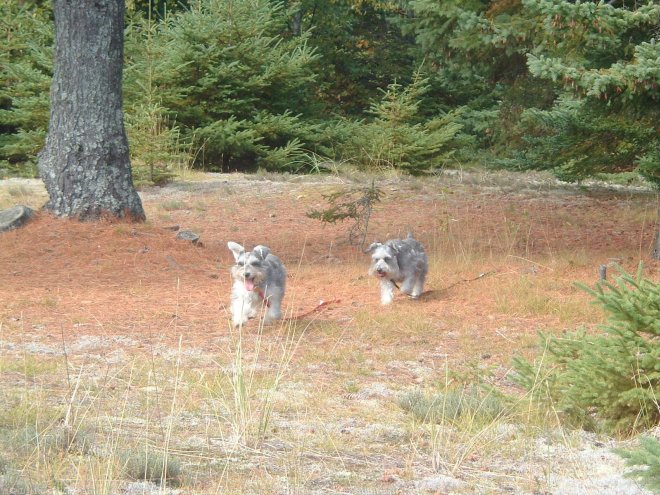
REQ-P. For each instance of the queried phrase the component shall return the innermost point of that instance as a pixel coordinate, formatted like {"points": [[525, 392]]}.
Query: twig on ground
{"points": [[530, 261], [321, 305], [465, 280]]}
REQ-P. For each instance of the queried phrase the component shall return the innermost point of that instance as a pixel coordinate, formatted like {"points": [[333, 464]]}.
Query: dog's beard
{"points": [[238, 272], [379, 273]]}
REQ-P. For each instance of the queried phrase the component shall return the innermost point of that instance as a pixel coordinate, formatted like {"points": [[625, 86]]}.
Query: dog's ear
{"points": [[261, 251], [373, 246], [236, 249]]}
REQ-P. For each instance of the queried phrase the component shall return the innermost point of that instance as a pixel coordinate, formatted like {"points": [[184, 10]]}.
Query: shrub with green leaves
{"points": [[647, 457], [608, 381]]}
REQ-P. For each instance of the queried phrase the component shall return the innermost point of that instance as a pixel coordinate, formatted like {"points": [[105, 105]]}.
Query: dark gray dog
{"points": [[399, 261], [259, 280]]}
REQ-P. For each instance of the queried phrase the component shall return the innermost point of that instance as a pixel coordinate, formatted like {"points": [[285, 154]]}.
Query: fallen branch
{"points": [[321, 305], [462, 281]]}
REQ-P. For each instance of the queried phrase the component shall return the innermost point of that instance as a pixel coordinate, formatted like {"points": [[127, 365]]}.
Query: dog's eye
{"points": [[386, 259], [240, 263], [255, 263]]}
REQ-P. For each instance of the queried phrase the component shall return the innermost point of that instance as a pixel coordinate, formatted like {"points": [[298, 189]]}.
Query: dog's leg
{"points": [[273, 313], [274, 310], [418, 288], [386, 292], [239, 316], [252, 308], [240, 305], [407, 285]]}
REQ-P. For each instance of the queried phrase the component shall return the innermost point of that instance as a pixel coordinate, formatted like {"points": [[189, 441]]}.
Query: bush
{"points": [[607, 381]]}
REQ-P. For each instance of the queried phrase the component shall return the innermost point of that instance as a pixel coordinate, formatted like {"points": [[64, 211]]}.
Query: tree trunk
{"points": [[656, 245], [296, 22], [85, 163]]}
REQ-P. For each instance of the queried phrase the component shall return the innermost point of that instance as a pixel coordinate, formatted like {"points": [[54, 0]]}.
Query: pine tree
{"points": [[474, 45], [26, 68], [360, 48], [605, 58], [158, 151], [609, 380], [398, 136], [647, 456], [236, 85], [578, 138]]}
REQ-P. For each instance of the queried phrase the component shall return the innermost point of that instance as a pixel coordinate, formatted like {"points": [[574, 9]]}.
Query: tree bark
{"points": [[85, 162], [656, 244]]}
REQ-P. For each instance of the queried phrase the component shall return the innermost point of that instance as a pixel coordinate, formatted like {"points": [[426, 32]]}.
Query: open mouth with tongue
{"points": [[249, 284], [381, 274]]}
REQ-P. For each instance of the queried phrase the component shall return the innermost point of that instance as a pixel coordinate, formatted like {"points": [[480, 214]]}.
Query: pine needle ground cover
{"points": [[120, 372]]}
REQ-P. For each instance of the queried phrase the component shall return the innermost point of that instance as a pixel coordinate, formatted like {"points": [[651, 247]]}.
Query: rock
{"points": [[14, 217], [188, 235]]}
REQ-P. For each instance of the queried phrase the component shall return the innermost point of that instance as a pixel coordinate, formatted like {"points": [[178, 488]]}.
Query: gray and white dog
{"points": [[259, 280], [399, 261]]}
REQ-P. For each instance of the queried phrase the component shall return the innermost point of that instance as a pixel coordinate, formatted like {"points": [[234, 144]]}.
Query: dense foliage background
{"points": [[570, 87]]}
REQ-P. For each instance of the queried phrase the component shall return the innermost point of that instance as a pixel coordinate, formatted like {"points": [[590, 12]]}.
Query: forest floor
{"points": [[115, 339]]}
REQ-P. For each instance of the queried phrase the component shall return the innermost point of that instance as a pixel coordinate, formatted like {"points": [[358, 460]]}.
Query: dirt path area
{"points": [[128, 277], [104, 294]]}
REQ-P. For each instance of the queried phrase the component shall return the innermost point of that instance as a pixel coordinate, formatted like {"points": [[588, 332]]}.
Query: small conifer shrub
{"points": [[608, 381], [152, 466], [353, 203], [398, 136], [450, 406], [646, 457]]}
